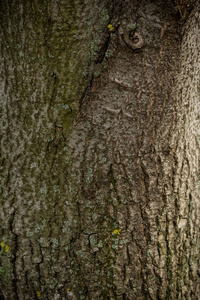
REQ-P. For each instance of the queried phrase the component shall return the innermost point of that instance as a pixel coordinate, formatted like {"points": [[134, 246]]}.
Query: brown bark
{"points": [[100, 150]]}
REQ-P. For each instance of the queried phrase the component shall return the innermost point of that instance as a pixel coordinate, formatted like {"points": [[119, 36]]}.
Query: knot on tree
{"points": [[133, 39]]}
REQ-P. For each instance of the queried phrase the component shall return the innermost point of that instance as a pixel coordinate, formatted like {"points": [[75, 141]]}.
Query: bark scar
{"points": [[133, 39]]}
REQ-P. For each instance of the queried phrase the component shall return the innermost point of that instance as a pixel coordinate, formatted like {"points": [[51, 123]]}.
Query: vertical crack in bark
{"points": [[168, 260], [14, 266], [13, 260]]}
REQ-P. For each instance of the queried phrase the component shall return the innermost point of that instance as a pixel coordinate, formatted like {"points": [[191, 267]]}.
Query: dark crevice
{"points": [[14, 256], [100, 56], [168, 261]]}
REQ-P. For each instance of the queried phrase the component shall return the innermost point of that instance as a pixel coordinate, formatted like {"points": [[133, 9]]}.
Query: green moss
{"points": [[67, 122]]}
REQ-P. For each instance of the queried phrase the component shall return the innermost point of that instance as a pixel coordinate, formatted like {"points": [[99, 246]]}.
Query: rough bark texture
{"points": [[100, 150]]}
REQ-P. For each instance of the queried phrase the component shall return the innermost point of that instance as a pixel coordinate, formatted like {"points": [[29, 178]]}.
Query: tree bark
{"points": [[100, 149]]}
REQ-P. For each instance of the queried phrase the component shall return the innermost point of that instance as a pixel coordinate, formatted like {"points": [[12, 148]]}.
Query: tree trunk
{"points": [[100, 149]]}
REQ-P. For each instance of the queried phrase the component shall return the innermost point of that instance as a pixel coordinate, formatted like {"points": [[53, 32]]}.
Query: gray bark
{"points": [[100, 150]]}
